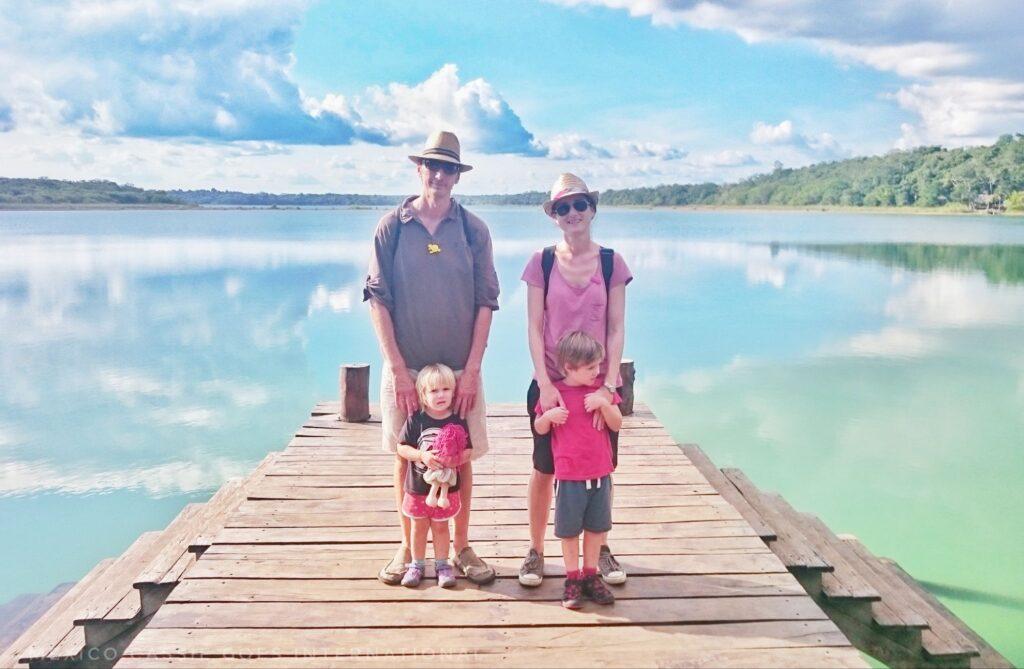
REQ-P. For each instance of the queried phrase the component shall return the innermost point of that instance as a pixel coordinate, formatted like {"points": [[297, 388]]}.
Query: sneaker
{"points": [[413, 575], [532, 572], [596, 591], [392, 572], [445, 576], [572, 596], [476, 570], [611, 572]]}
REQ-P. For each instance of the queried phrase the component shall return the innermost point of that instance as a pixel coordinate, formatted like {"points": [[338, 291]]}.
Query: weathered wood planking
{"points": [[289, 581]]}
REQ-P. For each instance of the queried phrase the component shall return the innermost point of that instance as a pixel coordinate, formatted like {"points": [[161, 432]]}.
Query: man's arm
{"points": [[405, 390]]}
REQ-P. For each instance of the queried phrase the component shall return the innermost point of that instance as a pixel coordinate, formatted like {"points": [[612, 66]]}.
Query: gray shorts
{"points": [[578, 509]]}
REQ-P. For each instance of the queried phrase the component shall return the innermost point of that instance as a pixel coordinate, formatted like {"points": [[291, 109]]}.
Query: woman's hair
{"points": [[432, 376], [577, 349]]}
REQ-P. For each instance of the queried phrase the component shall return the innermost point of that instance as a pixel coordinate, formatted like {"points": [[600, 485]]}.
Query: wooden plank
{"points": [[625, 516], [728, 492], [273, 490], [503, 589], [482, 614], [360, 480], [269, 642], [647, 656], [504, 567], [988, 656], [844, 582], [487, 549], [261, 501], [389, 535], [790, 545]]}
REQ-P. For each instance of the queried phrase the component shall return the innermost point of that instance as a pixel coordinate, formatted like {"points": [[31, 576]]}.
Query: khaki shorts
{"points": [[392, 419]]}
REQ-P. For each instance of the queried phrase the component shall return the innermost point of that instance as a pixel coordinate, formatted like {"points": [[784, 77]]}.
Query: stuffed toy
{"points": [[447, 448]]}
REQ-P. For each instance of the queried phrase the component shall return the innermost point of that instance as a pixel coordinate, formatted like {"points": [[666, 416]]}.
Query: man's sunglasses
{"points": [[579, 204], [443, 165]]}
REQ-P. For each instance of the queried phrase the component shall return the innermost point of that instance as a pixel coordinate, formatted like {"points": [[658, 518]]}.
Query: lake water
{"points": [[869, 368]]}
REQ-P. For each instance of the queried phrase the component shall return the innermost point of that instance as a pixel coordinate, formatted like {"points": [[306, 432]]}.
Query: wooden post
{"points": [[628, 374], [354, 388]]}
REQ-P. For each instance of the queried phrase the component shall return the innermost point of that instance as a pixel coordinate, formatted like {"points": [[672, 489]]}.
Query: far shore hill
{"points": [[927, 179]]}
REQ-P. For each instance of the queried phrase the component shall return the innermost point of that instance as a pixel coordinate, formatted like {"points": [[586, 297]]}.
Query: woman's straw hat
{"points": [[441, 145], [568, 184]]}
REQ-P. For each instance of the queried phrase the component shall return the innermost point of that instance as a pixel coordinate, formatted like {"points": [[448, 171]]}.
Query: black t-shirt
{"points": [[420, 430]]}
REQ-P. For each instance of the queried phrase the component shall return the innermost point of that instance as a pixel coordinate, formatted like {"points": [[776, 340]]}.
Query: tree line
{"points": [[928, 176]]}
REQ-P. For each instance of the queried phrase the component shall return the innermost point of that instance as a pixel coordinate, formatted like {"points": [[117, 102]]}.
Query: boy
{"points": [[583, 466]]}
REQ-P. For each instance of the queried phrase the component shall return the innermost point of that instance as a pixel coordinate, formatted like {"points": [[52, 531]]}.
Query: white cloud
{"points": [[962, 58], [338, 301], [574, 147], [772, 134], [889, 342]]}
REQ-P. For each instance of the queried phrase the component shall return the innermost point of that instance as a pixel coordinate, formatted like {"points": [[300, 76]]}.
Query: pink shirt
{"points": [[569, 308], [580, 451]]}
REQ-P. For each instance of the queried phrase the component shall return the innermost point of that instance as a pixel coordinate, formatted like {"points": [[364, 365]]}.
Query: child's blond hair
{"points": [[432, 376], [577, 349]]}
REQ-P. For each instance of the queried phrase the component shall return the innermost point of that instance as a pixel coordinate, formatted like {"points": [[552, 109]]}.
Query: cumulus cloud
{"points": [[573, 146], [404, 114], [962, 58], [824, 145], [217, 71]]}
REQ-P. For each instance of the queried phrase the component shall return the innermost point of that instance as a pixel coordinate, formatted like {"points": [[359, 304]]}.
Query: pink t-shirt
{"points": [[569, 308], [580, 451]]}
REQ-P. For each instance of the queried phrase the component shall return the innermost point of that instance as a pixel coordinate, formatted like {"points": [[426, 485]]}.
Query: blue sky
{"points": [[330, 96]]}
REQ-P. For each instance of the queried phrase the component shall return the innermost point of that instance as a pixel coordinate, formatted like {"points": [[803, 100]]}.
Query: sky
{"points": [[299, 96]]}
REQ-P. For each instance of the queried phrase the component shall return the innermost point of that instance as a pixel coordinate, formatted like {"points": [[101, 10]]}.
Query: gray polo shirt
{"points": [[432, 285]]}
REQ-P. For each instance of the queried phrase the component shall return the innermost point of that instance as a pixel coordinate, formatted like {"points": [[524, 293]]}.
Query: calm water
{"points": [[870, 368]]}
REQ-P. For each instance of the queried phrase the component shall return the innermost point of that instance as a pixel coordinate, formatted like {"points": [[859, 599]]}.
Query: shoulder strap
{"points": [[547, 262], [607, 267]]}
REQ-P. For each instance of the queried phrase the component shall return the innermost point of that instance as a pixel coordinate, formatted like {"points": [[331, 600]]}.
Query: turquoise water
{"points": [[869, 368]]}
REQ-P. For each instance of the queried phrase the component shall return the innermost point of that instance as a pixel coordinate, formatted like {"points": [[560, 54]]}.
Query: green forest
{"points": [[95, 192], [926, 177]]}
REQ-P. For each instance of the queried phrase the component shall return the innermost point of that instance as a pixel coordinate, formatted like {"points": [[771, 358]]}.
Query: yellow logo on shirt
{"points": [[433, 248]]}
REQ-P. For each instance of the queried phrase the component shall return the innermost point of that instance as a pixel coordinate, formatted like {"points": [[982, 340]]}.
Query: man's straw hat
{"points": [[565, 185], [441, 145]]}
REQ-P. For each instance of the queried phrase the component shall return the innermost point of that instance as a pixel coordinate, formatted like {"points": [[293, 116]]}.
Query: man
{"points": [[432, 290]]}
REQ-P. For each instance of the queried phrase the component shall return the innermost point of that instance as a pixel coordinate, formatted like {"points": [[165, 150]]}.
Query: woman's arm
{"points": [[549, 395], [612, 416], [616, 333]]}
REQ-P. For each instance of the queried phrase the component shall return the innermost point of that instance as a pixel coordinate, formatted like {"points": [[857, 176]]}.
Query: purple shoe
{"points": [[445, 576], [413, 575]]}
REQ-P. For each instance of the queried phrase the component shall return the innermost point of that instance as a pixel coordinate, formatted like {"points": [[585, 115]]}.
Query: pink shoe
{"points": [[413, 575], [445, 576]]}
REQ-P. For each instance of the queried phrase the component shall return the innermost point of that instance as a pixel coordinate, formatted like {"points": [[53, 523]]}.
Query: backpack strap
{"points": [[547, 262], [607, 267]]}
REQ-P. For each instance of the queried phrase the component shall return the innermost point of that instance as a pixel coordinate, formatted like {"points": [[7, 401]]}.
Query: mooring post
{"points": [[628, 374], [354, 389]]}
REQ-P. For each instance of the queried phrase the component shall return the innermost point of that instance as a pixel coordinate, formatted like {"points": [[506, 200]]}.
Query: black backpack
{"points": [[547, 263]]}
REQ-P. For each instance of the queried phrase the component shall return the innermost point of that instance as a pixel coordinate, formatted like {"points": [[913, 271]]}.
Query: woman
{"points": [[575, 285]]}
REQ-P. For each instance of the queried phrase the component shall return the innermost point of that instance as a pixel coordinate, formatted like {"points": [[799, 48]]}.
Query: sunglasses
{"points": [[443, 165], [580, 204]]}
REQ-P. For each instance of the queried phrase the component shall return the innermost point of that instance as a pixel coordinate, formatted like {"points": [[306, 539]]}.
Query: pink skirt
{"points": [[415, 506]]}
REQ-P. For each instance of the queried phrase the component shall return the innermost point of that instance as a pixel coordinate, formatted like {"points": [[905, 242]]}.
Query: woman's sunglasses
{"points": [[444, 166], [580, 204]]}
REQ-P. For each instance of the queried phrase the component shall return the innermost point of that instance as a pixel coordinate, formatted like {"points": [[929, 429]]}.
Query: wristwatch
{"points": [[610, 388]]}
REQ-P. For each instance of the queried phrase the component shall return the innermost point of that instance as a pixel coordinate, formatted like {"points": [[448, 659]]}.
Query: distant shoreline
{"points": [[826, 209]]}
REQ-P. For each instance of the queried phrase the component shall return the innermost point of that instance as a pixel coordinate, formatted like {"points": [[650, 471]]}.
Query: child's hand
{"points": [[429, 460], [594, 401], [557, 416]]}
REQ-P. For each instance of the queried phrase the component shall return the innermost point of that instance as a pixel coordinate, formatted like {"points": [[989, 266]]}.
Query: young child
{"points": [[435, 421], [583, 466]]}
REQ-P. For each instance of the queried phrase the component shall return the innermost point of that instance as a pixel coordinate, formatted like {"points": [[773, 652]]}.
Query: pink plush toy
{"points": [[447, 447]]}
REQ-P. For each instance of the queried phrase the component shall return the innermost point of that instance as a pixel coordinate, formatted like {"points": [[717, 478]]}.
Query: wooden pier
{"points": [[279, 570]]}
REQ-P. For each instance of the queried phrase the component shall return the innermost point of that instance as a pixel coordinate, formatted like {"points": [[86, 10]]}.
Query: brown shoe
{"points": [[392, 572], [475, 569]]}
